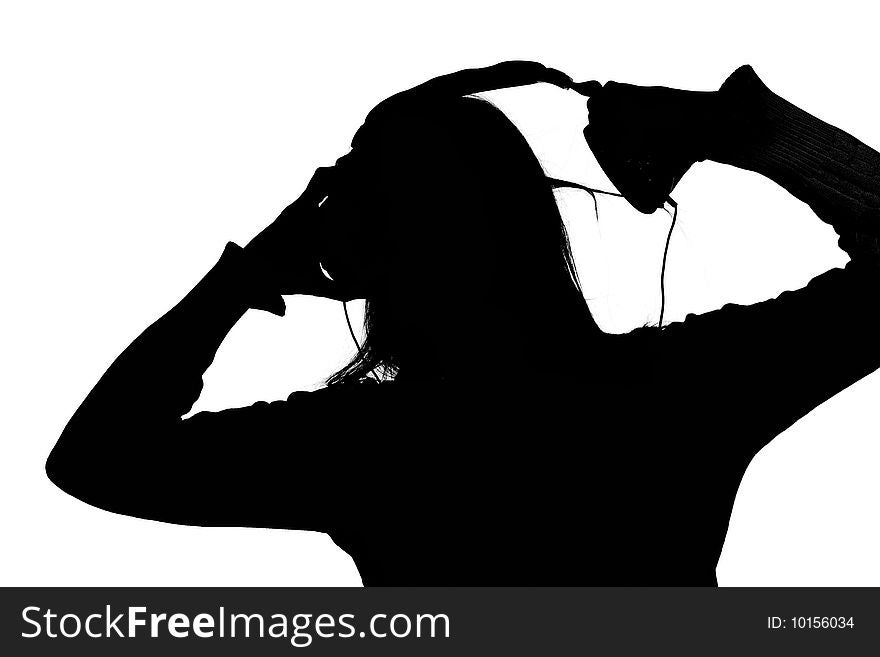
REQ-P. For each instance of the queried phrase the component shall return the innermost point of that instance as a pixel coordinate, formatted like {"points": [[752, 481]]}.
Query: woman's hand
{"points": [[646, 138], [287, 253]]}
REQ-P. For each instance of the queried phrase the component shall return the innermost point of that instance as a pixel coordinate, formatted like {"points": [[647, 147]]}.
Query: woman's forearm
{"points": [[158, 378], [827, 168]]}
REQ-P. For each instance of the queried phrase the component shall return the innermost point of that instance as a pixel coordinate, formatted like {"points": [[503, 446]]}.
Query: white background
{"points": [[136, 139]]}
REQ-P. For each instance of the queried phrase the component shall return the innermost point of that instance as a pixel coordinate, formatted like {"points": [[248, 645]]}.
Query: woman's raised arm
{"points": [[752, 371], [127, 450]]}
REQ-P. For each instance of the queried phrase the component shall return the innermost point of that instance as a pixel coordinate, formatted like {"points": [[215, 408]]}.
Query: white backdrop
{"points": [[136, 139]]}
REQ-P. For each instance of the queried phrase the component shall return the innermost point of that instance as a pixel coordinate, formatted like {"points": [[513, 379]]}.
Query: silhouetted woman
{"points": [[512, 441]]}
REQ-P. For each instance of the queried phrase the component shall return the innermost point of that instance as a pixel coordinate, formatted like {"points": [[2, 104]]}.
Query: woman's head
{"points": [[443, 219]]}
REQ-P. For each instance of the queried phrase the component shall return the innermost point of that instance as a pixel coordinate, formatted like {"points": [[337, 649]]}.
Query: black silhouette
{"points": [[510, 440]]}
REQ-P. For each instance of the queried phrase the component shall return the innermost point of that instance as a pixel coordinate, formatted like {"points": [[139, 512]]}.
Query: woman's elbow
{"points": [[62, 473], [76, 475]]}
